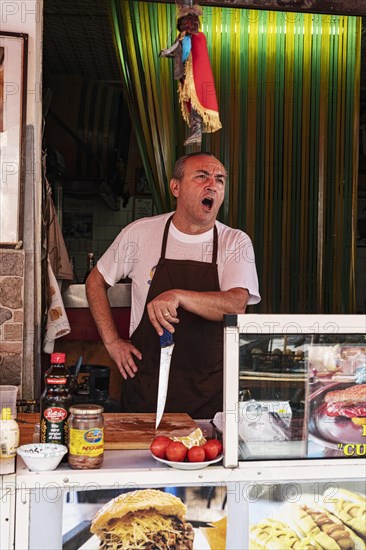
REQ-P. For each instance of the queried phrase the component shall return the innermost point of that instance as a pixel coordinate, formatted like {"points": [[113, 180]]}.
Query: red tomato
{"points": [[213, 448], [159, 445], [196, 454], [176, 451]]}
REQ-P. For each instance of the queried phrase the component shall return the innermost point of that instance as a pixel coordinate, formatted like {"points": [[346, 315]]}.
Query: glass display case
{"points": [[281, 510], [295, 387]]}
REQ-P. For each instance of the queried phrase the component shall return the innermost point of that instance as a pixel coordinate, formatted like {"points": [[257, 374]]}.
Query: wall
{"points": [[90, 225], [11, 316], [20, 269]]}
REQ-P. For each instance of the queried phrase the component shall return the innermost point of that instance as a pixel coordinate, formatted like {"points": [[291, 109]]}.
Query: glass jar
{"points": [[86, 437]]}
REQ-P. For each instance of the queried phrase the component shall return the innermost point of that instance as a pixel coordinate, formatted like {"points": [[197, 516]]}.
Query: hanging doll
{"points": [[192, 68]]}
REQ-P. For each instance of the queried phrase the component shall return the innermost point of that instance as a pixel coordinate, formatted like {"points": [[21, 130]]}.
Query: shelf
{"points": [[121, 467]]}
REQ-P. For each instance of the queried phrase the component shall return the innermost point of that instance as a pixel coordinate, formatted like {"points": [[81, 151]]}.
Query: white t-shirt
{"points": [[136, 251]]}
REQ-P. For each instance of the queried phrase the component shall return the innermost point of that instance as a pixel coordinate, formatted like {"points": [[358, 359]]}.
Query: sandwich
{"points": [[350, 402], [349, 507], [143, 520], [322, 529]]}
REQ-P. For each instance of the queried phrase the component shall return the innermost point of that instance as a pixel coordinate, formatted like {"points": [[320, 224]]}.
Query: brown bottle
{"points": [[90, 265], [55, 402]]}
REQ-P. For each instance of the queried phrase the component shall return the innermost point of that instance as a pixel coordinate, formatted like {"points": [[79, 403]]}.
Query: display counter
{"points": [[284, 457]]}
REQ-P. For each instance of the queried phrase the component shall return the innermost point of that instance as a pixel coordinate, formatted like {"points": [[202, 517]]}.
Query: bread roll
{"points": [[353, 394], [271, 534], [322, 528], [349, 507], [165, 504]]}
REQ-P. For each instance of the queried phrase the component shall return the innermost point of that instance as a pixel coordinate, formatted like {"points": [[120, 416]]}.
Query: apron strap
{"points": [[165, 240], [215, 245]]}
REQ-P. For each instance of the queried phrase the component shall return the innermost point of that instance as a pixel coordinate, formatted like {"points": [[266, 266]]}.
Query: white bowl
{"points": [[42, 457]]}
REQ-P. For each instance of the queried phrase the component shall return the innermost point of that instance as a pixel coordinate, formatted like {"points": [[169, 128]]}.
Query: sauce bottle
{"points": [[9, 434], [55, 402]]}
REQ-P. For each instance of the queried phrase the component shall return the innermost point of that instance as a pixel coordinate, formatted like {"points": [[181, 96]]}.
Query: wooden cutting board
{"points": [[136, 431], [124, 430]]}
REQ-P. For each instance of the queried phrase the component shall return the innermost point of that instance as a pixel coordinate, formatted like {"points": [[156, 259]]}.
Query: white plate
{"points": [[188, 465]]}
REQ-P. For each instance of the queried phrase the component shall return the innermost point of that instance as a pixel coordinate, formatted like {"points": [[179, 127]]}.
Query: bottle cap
{"points": [[58, 357], [6, 413], [86, 409]]}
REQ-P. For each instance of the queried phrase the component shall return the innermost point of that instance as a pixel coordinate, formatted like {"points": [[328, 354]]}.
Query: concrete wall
{"points": [[20, 268]]}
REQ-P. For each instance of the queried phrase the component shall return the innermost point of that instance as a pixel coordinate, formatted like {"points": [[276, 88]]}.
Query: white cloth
{"points": [[136, 251], [57, 322]]}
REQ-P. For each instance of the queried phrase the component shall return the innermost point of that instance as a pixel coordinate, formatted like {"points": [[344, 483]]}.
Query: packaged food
{"points": [[86, 437]]}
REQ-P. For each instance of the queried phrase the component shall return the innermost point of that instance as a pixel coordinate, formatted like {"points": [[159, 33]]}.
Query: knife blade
{"points": [[166, 350]]}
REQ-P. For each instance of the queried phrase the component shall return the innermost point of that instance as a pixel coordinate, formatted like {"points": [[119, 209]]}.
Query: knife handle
{"points": [[166, 339]]}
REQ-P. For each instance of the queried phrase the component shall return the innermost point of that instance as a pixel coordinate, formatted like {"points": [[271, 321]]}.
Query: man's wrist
{"points": [[112, 340]]}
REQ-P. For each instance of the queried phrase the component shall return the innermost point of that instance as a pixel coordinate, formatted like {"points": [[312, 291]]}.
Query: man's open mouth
{"points": [[208, 203]]}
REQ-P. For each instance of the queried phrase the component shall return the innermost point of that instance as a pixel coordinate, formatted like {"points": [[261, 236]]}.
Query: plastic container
{"points": [[8, 398], [9, 434], [86, 437]]}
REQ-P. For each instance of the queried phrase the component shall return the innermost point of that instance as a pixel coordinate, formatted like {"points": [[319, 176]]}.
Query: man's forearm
{"points": [[213, 305], [96, 292]]}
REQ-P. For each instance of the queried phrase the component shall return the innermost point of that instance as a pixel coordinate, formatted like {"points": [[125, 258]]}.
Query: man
{"points": [[187, 271]]}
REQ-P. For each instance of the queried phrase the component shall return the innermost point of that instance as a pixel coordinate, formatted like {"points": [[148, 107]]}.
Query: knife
{"points": [[166, 350]]}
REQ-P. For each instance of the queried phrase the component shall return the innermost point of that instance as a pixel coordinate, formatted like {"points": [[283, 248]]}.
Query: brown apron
{"points": [[196, 370]]}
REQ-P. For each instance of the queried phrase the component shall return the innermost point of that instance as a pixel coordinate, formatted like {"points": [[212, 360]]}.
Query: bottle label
{"points": [[9, 436], [55, 414], [86, 442], [56, 380], [54, 426]]}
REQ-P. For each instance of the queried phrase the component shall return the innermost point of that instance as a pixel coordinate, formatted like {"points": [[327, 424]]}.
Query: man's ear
{"points": [[175, 187]]}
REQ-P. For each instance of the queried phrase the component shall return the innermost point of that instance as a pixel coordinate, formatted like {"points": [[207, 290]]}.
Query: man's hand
{"points": [[162, 311], [122, 353]]}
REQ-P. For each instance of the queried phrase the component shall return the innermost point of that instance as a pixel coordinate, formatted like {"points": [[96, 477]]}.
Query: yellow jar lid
{"points": [[86, 409]]}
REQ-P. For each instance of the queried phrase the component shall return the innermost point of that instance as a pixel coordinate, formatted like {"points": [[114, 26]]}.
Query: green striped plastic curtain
{"points": [[288, 89]]}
